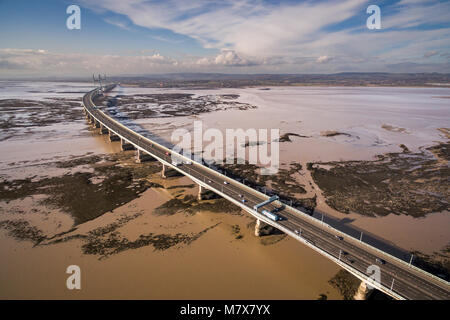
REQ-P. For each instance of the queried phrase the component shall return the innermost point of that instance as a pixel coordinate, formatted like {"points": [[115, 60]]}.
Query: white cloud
{"points": [[247, 26], [231, 58], [413, 13], [42, 62], [252, 35], [324, 59]]}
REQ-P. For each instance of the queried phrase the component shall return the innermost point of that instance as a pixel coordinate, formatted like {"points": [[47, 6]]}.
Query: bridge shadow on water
{"points": [[344, 225]]}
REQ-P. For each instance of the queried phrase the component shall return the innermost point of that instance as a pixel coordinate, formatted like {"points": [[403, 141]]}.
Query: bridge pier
{"points": [[96, 124], [258, 227], [142, 156], [163, 172], [200, 190], [363, 292], [113, 136], [125, 145], [103, 129]]}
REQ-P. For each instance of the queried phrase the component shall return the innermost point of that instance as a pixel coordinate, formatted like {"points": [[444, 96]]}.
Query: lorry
{"points": [[270, 215]]}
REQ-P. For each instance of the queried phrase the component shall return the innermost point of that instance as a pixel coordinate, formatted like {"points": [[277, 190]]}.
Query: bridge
{"points": [[398, 278]]}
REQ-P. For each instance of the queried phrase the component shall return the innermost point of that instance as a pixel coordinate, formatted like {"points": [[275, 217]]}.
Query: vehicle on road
{"points": [[225, 182], [270, 215], [339, 237], [167, 153], [244, 201], [380, 261], [175, 163], [296, 231]]}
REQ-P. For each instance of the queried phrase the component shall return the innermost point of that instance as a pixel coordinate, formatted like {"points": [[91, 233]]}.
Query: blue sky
{"points": [[230, 36]]}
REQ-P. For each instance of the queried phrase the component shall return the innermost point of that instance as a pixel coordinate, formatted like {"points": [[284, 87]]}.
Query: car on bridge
{"points": [[339, 237], [380, 261], [225, 182]]}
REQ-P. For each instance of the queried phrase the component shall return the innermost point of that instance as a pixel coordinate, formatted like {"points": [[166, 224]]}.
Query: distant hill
{"points": [[223, 80], [239, 80]]}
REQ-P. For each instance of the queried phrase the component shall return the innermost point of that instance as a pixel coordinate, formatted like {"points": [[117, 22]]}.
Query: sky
{"points": [[137, 37]]}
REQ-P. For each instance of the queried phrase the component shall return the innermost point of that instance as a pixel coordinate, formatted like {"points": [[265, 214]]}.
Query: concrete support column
{"points": [[163, 172], [363, 292], [113, 136], [258, 227], [124, 145], [200, 190], [103, 129], [142, 156]]}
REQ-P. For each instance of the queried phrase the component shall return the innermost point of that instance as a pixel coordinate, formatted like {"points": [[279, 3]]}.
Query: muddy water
{"points": [[215, 266]]}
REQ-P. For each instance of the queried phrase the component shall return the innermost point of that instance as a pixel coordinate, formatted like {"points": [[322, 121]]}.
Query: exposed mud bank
{"points": [[408, 183], [19, 117], [164, 105], [112, 181]]}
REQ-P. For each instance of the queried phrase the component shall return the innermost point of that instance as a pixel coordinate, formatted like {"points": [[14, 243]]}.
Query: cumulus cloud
{"points": [[324, 59], [231, 58], [41, 62], [50, 63]]}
